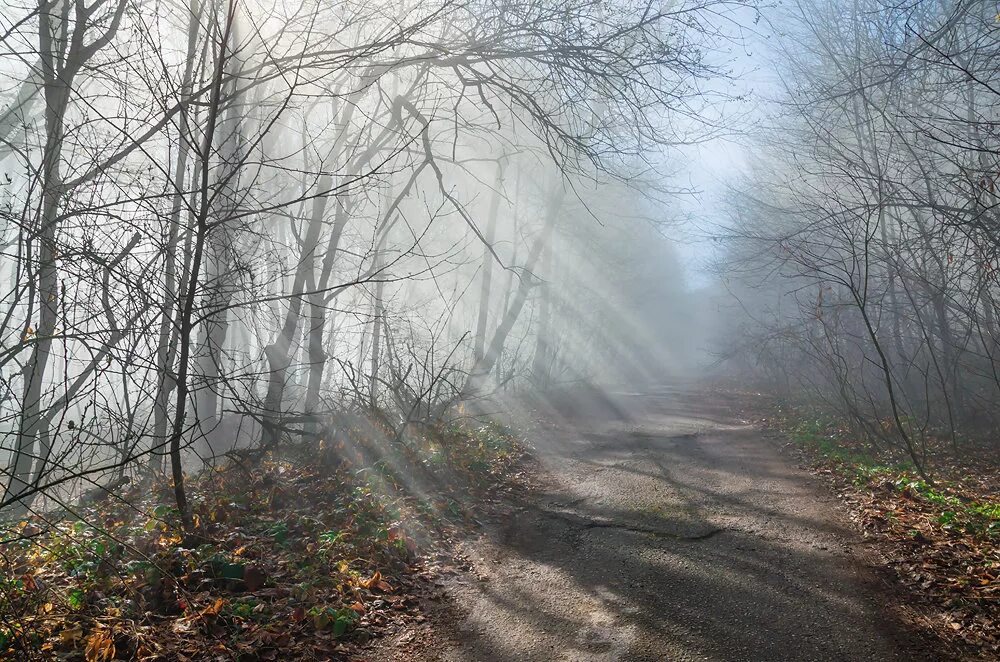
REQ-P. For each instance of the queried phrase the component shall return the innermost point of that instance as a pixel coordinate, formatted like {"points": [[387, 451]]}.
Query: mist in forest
{"points": [[227, 225], [856, 267], [295, 295]]}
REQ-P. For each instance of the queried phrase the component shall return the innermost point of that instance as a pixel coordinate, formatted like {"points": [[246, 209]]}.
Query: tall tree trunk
{"points": [[185, 323], [219, 280], [378, 311], [480, 372], [166, 348], [62, 58], [279, 352], [542, 360], [486, 270], [378, 305], [319, 315]]}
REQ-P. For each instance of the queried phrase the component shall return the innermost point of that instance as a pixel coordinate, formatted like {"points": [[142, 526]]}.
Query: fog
{"points": [[860, 241], [231, 225]]}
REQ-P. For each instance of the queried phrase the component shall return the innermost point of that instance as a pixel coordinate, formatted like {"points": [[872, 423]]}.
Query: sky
{"points": [[716, 164]]}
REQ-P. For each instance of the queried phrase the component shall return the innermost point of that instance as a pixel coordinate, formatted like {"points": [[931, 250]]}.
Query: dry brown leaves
{"points": [[290, 561], [939, 542]]}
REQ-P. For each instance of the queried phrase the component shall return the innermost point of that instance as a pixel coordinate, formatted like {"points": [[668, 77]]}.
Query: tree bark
{"points": [[486, 275], [480, 372]]}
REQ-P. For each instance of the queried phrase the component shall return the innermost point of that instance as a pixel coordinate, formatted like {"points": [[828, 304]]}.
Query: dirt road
{"points": [[666, 530]]}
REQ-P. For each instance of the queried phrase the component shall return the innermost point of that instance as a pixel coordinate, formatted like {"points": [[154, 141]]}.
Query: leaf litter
{"points": [[301, 557]]}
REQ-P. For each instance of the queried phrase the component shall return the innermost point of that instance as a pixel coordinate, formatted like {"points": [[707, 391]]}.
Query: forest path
{"points": [[666, 530]]}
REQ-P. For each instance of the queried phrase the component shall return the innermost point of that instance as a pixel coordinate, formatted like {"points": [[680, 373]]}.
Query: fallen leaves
{"points": [[376, 582], [100, 646], [254, 578], [292, 561], [940, 542], [213, 609], [69, 635]]}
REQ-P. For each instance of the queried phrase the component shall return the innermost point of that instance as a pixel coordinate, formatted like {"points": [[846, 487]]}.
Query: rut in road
{"points": [[667, 530]]}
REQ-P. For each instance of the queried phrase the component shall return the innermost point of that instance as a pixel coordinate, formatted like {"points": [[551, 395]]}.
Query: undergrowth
{"points": [[939, 538], [829, 442], [303, 556]]}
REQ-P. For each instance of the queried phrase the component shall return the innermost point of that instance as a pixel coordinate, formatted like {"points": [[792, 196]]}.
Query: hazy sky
{"points": [[715, 164]]}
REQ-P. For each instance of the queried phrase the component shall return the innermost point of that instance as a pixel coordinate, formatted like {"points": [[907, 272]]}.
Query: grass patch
{"points": [[825, 440]]}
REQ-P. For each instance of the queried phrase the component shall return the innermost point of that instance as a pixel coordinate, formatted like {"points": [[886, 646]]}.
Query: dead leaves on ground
{"points": [[290, 562], [953, 572], [939, 541]]}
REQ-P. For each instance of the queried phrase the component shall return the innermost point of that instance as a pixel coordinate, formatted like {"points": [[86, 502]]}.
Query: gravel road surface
{"points": [[663, 529]]}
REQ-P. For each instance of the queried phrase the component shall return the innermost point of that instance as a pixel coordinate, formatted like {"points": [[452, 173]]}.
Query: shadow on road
{"points": [[667, 530]]}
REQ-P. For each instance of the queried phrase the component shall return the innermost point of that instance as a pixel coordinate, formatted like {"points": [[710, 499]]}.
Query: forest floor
{"points": [[662, 526], [302, 555], [667, 525], [937, 535]]}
